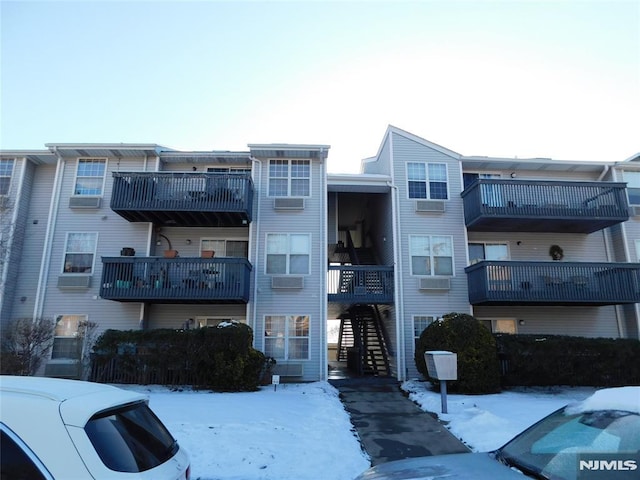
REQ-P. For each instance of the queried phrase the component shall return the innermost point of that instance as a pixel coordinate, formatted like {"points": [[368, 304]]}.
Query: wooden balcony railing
{"points": [[360, 284], [553, 283], [176, 280], [183, 198], [500, 205]]}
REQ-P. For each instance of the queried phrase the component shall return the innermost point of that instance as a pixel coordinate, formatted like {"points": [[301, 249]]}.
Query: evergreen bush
{"points": [[478, 367]]}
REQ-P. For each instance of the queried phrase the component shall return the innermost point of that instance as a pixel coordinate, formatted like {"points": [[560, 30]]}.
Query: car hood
{"points": [[472, 466]]}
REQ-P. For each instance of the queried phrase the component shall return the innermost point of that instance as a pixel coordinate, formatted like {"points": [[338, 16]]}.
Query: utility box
{"points": [[442, 365]]}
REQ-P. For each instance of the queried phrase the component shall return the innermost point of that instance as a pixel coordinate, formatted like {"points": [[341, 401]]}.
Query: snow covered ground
{"points": [[301, 431]]}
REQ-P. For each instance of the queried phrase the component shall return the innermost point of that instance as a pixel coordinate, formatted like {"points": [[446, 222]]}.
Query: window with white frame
{"points": [[80, 251], [633, 186], [431, 255], [66, 341], [427, 180], [6, 171], [487, 251], [420, 322], [90, 176], [289, 178], [226, 248], [286, 337], [232, 170], [288, 253], [202, 322]]}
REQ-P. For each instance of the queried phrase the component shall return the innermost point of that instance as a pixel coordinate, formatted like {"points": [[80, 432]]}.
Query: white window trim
{"points": [[104, 177], [10, 176], [485, 243], [413, 326], [67, 360], [287, 337], [433, 275], [426, 164], [266, 250], [64, 254], [625, 177], [225, 239], [289, 178]]}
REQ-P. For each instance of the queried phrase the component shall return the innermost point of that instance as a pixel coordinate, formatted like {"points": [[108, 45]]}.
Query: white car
{"points": [[598, 438], [68, 429]]}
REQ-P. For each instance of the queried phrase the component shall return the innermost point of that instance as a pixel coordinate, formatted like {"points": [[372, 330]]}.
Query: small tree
{"points": [[478, 367], [24, 345], [86, 339]]}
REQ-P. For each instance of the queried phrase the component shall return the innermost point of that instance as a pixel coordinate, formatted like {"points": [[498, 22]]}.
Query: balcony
{"points": [[360, 284], [553, 283], [176, 280], [183, 199], [500, 205]]}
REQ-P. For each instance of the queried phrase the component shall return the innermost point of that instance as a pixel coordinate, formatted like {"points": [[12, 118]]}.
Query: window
{"points": [[500, 325], [289, 178], [16, 461], [427, 180], [226, 248], [488, 251], [202, 322], [286, 337], [232, 170], [66, 342], [288, 253], [80, 252], [633, 186], [6, 170], [420, 322], [90, 176], [431, 255]]}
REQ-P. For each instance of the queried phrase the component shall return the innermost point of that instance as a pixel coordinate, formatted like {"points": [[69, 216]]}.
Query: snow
{"points": [[301, 431], [622, 398]]}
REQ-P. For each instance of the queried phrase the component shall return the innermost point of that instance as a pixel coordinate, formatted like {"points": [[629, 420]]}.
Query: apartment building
{"points": [[137, 236]]}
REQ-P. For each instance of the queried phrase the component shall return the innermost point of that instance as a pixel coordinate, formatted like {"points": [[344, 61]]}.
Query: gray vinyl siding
{"points": [[311, 299], [39, 185], [449, 223], [382, 163], [381, 226]]}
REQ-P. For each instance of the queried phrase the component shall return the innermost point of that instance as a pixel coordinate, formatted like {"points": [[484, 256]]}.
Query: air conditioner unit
{"points": [[83, 201], [428, 283], [74, 281], [287, 282], [287, 203], [62, 370], [430, 206], [288, 369]]}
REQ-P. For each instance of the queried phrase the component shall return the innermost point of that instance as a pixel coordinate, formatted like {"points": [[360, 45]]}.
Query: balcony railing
{"points": [[183, 199], [553, 283], [501, 205], [176, 280], [360, 284]]}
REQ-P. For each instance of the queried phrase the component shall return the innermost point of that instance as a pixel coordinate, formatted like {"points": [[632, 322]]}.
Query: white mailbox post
{"points": [[443, 366]]}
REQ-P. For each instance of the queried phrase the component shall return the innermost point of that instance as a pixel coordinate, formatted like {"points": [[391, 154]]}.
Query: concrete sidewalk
{"points": [[390, 426]]}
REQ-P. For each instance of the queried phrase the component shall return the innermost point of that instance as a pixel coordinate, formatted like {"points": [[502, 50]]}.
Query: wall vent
{"points": [[288, 369], [83, 201], [286, 203], [430, 206], [287, 282], [74, 281], [428, 283]]}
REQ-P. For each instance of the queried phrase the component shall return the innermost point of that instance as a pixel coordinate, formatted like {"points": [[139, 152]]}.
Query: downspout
{"points": [[41, 288], [12, 229], [324, 262], [254, 228]]}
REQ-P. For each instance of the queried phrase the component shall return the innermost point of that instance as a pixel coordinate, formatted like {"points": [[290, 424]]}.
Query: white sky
{"points": [[556, 79]]}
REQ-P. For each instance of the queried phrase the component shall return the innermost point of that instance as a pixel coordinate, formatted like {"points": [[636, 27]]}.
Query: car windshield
{"points": [[553, 447], [130, 438]]}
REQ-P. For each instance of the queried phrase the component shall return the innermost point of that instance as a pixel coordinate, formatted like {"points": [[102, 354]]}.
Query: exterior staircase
{"points": [[362, 343]]}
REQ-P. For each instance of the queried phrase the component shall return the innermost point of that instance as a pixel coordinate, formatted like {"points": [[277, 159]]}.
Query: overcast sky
{"points": [[556, 79]]}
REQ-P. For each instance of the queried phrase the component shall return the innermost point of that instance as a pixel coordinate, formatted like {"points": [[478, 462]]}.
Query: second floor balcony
{"points": [[176, 280], [507, 205], [553, 283], [183, 198], [360, 284]]}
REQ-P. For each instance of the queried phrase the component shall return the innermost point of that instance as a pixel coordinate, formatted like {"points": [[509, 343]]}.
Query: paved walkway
{"points": [[390, 426]]}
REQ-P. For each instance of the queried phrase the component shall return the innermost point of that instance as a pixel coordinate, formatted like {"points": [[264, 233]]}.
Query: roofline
{"points": [[423, 141], [288, 146], [111, 146], [481, 158]]}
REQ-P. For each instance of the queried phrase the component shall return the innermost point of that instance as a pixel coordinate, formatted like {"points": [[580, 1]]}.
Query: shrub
{"points": [[25, 344], [219, 358], [478, 368]]}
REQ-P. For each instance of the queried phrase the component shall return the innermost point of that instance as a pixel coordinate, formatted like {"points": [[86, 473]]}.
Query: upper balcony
{"points": [[176, 280], [553, 283], [183, 199], [360, 284], [501, 205]]}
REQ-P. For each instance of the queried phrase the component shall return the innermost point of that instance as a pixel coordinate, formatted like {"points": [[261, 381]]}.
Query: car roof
{"points": [[76, 400]]}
